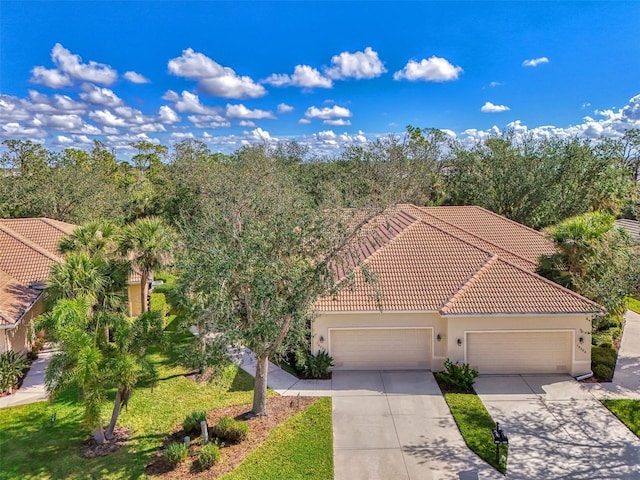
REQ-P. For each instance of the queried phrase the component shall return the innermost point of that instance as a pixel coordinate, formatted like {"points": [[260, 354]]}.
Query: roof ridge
{"points": [[53, 224], [473, 235], [473, 279], [555, 285], [30, 244], [509, 220]]}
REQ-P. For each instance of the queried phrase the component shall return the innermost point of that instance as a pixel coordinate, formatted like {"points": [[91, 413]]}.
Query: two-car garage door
{"points": [[382, 348], [520, 352]]}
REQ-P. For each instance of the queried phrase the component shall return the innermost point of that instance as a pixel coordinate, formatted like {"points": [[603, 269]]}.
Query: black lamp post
{"points": [[499, 438]]}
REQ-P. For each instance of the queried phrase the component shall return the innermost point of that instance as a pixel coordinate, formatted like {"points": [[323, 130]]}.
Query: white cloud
{"points": [[534, 62], [327, 113], [214, 79], [303, 76], [182, 135], [304, 121], [209, 121], [246, 123], [58, 122], [50, 77], [356, 65], [337, 122], [240, 111], [188, 103], [39, 102], [491, 108], [135, 77], [166, 114], [435, 69], [495, 84], [107, 118], [284, 108], [15, 129], [62, 140], [70, 68], [100, 96], [259, 135]]}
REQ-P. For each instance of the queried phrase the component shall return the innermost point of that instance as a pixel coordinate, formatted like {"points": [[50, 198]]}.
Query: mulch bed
{"points": [[91, 449], [279, 409]]}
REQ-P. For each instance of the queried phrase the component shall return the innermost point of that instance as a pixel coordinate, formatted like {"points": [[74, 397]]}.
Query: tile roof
{"points": [[458, 260], [631, 226], [28, 248]]}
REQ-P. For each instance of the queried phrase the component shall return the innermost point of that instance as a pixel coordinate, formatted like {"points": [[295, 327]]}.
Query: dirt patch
{"points": [[91, 449], [205, 376], [279, 409]]}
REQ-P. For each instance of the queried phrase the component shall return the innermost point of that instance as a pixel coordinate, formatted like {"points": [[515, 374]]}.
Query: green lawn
{"points": [[300, 448], [475, 424], [633, 304], [628, 411]]}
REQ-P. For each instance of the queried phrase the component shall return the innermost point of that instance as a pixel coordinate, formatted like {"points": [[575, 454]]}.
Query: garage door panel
{"points": [[381, 348], [520, 352]]}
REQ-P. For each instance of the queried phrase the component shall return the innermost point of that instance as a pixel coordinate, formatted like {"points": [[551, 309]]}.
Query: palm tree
{"points": [[147, 243]]}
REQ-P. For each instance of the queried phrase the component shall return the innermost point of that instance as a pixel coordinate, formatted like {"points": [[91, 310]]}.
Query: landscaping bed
{"points": [[279, 409]]}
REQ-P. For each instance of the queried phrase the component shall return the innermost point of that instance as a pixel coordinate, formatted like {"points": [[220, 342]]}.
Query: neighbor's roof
{"points": [[28, 248], [455, 260], [631, 226]]}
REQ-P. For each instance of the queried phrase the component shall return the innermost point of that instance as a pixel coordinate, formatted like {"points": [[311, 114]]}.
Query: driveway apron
{"points": [[396, 425], [557, 430]]}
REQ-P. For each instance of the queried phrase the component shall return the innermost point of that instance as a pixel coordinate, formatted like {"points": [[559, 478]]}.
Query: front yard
{"points": [[628, 411], [42, 441]]}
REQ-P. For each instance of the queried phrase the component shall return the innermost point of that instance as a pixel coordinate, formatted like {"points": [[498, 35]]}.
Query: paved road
{"points": [[558, 430], [395, 425]]}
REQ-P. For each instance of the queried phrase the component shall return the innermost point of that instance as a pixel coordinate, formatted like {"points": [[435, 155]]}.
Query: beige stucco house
{"points": [[426, 284], [28, 249]]}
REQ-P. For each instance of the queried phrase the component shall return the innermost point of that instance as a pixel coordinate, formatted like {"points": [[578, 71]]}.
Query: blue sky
{"points": [[323, 73]]}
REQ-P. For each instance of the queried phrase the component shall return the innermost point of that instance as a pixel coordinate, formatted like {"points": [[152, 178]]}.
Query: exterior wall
{"points": [[324, 323], [133, 292], [579, 325], [17, 339]]}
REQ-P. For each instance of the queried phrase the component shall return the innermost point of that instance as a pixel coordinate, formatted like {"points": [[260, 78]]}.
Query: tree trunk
{"points": [[144, 284], [260, 386], [117, 405]]}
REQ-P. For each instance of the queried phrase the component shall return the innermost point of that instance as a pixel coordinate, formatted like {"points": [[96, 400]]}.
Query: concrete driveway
{"points": [[396, 425], [557, 429]]}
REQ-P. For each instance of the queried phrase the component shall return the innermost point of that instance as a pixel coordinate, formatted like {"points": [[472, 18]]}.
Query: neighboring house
{"points": [[632, 227], [425, 284], [28, 248]]}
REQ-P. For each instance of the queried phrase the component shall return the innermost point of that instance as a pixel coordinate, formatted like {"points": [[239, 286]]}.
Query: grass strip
{"points": [[300, 448], [475, 424], [628, 411]]}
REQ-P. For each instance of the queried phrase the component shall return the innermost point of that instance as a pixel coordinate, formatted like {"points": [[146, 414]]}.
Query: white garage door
{"points": [[520, 352], [381, 349]]}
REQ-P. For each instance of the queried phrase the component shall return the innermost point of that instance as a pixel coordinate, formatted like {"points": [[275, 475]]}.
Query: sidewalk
{"points": [[32, 389], [283, 382], [626, 377]]}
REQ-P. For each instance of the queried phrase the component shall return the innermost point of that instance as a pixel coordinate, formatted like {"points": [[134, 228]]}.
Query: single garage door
{"points": [[373, 349], [520, 352]]}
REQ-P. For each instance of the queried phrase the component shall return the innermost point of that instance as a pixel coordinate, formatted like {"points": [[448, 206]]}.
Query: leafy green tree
{"points": [[148, 244], [259, 255], [595, 259]]}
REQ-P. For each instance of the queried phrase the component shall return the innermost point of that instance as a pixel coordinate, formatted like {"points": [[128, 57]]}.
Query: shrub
{"points": [[233, 431], [603, 372], [603, 356], [176, 453], [158, 303], [458, 375], [208, 456], [318, 366], [192, 421], [12, 366]]}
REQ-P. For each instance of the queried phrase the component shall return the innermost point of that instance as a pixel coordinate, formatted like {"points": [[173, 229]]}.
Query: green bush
{"points": [[158, 303], [318, 366], [603, 372], [208, 456], [231, 430], [603, 356], [176, 453], [12, 366], [458, 375], [192, 421]]}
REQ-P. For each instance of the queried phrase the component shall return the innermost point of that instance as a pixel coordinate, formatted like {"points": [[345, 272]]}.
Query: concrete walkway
{"points": [[626, 377], [32, 389], [558, 430], [396, 425], [281, 381]]}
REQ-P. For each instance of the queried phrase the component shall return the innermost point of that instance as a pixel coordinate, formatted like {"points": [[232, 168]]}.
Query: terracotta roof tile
{"points": [[458, 260], [15, 299], [44, 232]]}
